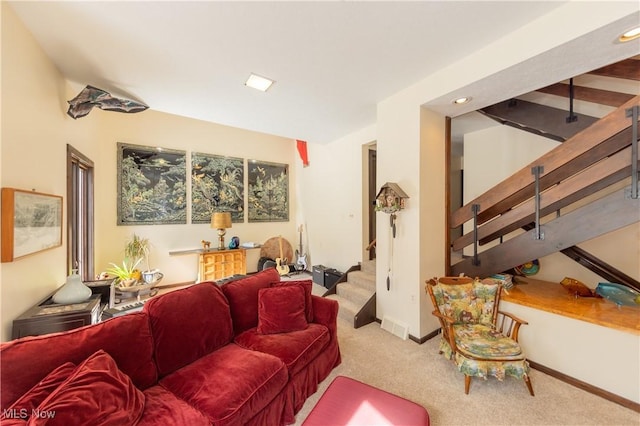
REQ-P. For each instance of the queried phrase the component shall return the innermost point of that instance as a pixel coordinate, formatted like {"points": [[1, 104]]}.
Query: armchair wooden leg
{"points": [[527, 380], [467, 383]]}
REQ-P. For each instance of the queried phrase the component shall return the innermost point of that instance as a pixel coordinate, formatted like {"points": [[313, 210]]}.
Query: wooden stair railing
{"points": [[599, 217], [605, 137], [601, 175], [592, 160], [372, 245]]}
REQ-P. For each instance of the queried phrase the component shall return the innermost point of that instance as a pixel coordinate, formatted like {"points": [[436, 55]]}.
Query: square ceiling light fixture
{"points": [[258, 82]]}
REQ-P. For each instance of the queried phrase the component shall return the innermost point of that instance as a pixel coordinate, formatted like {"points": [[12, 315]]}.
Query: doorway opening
{"points": [[369, 177]]}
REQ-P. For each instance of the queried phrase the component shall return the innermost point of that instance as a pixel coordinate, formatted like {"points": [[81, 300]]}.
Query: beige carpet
{"points": [[418, 373]]}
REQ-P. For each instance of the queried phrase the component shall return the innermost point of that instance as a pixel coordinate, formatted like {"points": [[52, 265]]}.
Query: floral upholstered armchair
{"points": [[480, 339]]}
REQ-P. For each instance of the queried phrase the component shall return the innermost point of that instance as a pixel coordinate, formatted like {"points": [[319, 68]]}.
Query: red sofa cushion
{"points": [[281, 310], [307, 285], [296, 349], [97, 393], [230, 385], [188, 324], [24, 406], [243, 298], [26, 361], [162, 408]]}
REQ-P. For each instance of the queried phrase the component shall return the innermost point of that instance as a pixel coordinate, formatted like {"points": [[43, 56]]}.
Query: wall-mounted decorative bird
{"points": [[91, 97]]}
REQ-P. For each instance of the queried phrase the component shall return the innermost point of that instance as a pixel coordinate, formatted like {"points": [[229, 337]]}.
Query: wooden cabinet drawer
{"points": [[215, 265]]}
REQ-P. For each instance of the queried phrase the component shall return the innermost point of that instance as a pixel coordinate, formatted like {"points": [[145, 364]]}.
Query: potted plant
{"points": [[126, 275], [139, 248]]}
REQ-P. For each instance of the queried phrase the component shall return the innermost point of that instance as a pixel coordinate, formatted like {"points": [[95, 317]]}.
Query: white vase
{"points": [[73, 291]]}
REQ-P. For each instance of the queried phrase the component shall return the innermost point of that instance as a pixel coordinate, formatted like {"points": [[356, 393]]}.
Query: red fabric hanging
{"points": [[302, 150]]}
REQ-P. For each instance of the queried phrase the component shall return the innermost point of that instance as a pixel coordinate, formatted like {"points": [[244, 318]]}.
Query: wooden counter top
{"points": [[552, 297]]}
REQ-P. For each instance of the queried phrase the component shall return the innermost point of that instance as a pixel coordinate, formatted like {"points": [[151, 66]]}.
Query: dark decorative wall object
{"points": [[151, 185], [268, 192], [91, 97], [217, 184]]}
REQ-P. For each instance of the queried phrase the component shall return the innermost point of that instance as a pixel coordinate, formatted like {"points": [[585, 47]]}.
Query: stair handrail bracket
{"points": [[476, 209], [537, 171], [633, 114]]}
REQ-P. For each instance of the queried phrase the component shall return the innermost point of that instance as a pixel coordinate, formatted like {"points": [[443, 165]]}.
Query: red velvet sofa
{"points": [[248, 352]]}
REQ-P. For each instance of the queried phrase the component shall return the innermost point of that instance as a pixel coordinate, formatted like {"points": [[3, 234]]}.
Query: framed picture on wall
{"points": [[217, 184], [268, 191], [31, 222], [151, 185]]}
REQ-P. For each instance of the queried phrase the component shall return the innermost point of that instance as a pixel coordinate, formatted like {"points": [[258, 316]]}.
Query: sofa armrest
{"points": [[325, 312]]}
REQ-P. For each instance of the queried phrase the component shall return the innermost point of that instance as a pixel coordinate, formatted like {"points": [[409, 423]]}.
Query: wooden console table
{"points": [[216, 264]]}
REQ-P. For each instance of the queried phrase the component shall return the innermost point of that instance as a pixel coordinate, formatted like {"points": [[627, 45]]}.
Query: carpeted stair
{"points": [[356, 291]]}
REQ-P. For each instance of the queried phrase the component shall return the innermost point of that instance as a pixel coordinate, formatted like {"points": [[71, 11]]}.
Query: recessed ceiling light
{"points": [[258, 82], [632, 34], [461, 101]]}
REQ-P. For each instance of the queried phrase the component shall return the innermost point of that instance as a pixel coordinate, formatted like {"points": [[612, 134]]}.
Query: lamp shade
{"points": [[221, 220]]}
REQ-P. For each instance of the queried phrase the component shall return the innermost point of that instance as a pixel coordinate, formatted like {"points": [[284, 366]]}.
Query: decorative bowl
{"points": [[138, 286]]}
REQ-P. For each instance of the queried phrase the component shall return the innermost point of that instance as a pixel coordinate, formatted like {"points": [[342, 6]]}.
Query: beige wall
{"points": [[492, 155], [432, 220], [556, 266], [601, 356], [331, 201], [411, 153], [35, 131]]}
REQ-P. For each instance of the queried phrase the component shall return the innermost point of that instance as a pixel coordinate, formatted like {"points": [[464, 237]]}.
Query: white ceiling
{"points": [[332, 61]]}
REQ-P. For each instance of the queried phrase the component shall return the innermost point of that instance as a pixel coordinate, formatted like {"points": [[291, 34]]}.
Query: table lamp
{"points": [[221, 221]]}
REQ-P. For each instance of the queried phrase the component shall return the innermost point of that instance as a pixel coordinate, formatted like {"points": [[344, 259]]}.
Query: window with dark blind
{"points": [[80, 252]]}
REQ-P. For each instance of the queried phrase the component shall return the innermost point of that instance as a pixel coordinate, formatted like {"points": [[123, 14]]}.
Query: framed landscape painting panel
{"points": [[151, 185], [217, 184], [31, 222], [268, 192]]}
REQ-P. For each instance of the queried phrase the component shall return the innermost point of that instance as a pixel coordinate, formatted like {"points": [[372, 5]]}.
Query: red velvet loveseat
{"points": [[248, 352]]}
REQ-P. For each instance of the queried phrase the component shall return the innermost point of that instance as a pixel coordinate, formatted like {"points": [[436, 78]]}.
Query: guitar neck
{"points": [[280, 244], [300, 239]]}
